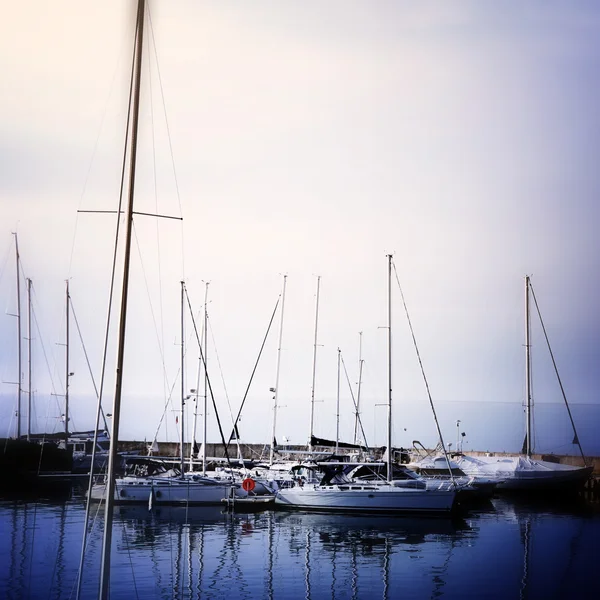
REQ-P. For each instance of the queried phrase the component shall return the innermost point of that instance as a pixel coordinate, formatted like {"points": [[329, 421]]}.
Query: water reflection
{"points": [[278, 554], [356, 542], [510, 549]]}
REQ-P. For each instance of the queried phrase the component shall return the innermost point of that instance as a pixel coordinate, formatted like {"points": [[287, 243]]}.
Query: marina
{"points": [[175, 176], [508, 548]]}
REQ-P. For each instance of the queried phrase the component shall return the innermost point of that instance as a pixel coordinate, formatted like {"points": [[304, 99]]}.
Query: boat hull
{"points": [[564, 481], [373, 498], [130, 490], [526, 474]]}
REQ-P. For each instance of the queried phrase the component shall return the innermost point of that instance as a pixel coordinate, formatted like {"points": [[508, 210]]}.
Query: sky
{"points": [[308, 140]]}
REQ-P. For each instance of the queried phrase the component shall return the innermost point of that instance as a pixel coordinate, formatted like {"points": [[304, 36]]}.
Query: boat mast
{"points": [[195, 393], [276, 388], [204, 431], [29, 359], [527, 371], [337, 404], [389, 328], [67, 370], [314, 368], [104, 591], [360, 367], [182, 378], [19, 339]]}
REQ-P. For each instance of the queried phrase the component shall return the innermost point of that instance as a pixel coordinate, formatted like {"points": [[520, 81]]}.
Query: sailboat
{"points": [[27, 459], [337, 491], [178, 489], [523, 472], [152, 482], [88, 448]]}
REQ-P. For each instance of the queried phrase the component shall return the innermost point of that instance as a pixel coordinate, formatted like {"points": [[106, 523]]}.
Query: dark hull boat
{"points": [[32, 468]]}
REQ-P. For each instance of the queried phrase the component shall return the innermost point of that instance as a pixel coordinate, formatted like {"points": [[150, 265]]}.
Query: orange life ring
{"points": [[248, 484]]}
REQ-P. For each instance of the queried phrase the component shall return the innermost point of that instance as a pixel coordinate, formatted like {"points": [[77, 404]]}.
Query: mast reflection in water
{"points": [[504, 550]]}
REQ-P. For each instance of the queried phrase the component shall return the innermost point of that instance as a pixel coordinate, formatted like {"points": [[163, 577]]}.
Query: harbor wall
{"points": [[261, 451]]}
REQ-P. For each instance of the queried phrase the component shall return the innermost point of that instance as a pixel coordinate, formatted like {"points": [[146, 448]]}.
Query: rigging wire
{"points": [[162, 95], [154, 322], [576, 439], [197, 395], [355, 404], [89, 530], [222, 378], [254, 369], [161, 336], [108, 318], [44, 353], [168, 403], [14, 411], [87, 360], [414, 339], [94, 152], [208, 378], [6, 258]]}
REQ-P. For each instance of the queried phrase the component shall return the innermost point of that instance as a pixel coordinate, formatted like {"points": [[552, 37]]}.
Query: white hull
{"points": [[523, 473], [435, 469], [138, 490], [366, 498], [261, 485]]}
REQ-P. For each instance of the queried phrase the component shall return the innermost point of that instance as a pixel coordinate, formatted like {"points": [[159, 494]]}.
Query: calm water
{"points": [[503, 550]]}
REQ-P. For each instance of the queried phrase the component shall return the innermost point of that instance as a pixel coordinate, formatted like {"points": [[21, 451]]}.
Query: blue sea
{"points": [[504, 549]]}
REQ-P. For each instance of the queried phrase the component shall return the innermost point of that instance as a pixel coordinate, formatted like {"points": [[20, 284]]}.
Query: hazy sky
{"points": [[311, 138]]}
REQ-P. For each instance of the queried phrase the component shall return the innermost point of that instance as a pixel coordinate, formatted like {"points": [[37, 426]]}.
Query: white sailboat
{"points": [[524, 472], [338, 492], [151, 482], [168, 489], [470, 487]]}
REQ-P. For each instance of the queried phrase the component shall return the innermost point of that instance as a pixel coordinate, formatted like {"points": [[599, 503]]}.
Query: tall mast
{"points": [[527, 372], [337, 404], [276, 388], [196, 393], [67, 369], [29, 358], [314, 368], [18, 338], [360, 367], [182, 379], [389, 328], [204, 432], [114, 438]]}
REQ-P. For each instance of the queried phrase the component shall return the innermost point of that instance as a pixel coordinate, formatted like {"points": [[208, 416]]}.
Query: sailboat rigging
{"points": [[433, 411], [529, 286], [524, 472], [337, 403], [389, 331], [114, 438], [67, 372], [19, 387], [25, 457], [359, 386], [195, 392], [339, 490], [235, 433], [314, 367], [275, 390], [29, 360]]}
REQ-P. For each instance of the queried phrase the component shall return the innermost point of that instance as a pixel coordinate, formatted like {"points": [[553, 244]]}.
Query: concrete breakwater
{"points": [[261, 452]]}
